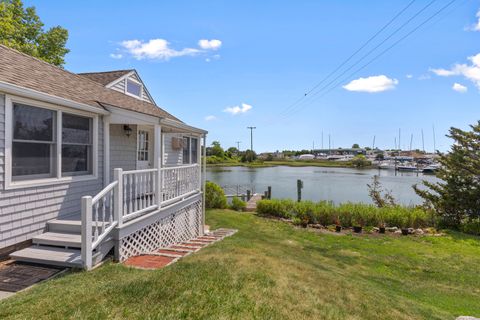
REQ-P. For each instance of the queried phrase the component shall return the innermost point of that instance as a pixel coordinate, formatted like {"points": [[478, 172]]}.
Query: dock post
{"points": [[249, 195], [269, 191], [299, 190]]}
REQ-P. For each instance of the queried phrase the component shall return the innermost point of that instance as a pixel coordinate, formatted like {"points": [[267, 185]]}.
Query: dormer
{"points": [[124, 81]]}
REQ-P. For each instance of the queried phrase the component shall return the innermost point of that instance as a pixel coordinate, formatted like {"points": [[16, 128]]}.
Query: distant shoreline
{"points": [[289, 163]]}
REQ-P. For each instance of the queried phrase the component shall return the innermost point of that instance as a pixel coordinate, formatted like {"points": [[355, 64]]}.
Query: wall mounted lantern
{"points": [[127, 129]]}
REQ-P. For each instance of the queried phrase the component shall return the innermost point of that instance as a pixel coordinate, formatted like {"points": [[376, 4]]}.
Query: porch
{"points": [[152, 197]]}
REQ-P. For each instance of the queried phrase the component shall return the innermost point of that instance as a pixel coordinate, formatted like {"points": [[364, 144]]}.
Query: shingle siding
{"points": [[123, 149], [171, 157], [24, 212]]}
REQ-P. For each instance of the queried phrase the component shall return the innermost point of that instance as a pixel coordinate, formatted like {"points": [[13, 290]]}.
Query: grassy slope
{"points": [[270, 270]]}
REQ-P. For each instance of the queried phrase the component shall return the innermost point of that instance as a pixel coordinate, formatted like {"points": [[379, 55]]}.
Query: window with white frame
{"points": [[134, 88], [76, 144], [190, 150], [186, 150], [33, 143], [143, 141], [48, 143]]}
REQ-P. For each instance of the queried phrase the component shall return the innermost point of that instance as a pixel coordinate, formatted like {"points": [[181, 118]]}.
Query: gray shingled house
{"points": [[90, 164]]}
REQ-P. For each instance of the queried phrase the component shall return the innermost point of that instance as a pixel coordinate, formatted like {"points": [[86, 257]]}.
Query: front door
{"points": [[144, 147]]}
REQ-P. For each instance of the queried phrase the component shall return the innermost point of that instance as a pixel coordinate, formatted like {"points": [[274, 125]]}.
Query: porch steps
{"points": [[66, 240], [59, 246], [49, 256], [67, 225]]}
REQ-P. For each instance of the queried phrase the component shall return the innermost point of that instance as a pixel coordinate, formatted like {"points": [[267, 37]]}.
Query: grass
{"points": [[288, 163], [271, 270]]}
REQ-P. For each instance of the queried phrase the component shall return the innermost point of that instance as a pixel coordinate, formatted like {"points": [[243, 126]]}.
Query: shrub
{"points": [[279, 208], [214, 196], [471, 227], [348, 214], [238, 204]]}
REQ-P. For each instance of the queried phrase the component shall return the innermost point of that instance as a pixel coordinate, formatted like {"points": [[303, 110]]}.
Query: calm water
{"points": [[334, 184]]}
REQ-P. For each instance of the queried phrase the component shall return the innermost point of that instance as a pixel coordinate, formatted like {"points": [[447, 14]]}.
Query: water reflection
{"points": [[334, 184]]}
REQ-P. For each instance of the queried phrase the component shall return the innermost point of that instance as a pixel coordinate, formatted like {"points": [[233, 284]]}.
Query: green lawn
{"points": [[271, 270]]}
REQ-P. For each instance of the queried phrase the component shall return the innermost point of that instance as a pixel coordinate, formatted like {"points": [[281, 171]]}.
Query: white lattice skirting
{"points": [[180, 226]]}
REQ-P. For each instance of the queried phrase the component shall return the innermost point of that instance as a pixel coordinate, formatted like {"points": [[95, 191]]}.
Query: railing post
{"points": [[86, 247], [118, 196], [159, 187]]}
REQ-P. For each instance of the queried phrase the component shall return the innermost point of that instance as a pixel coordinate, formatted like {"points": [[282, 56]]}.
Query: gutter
{"points": [[45, 97], [181, 125]]}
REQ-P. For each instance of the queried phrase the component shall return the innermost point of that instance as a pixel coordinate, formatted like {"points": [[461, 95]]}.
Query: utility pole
{"points": [[423, 143], [238, 145], [251, 136]]}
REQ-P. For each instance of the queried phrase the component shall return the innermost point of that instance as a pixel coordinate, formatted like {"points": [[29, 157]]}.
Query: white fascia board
{"points": [[181, 126], [123, 116], [45, 97]]}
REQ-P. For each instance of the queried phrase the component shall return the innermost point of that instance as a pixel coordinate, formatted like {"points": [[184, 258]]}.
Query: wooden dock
{"points": [[252, 203]]}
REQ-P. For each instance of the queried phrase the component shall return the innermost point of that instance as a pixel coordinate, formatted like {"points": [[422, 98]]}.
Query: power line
{"points": [[366, 55], [353, 54], [377, 56]]}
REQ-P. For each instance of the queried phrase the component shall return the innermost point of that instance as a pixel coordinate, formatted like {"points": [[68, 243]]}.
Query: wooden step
{"points": [[49, 256], [68, 226], [70, 240]]}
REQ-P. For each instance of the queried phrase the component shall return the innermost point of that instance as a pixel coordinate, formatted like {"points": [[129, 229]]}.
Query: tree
{"points": [[21, 29], [355, 146], [249, 156], [360, 161], [457, 197], [216, 150]]}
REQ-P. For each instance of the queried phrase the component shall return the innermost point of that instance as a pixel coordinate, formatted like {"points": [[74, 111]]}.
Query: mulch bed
{"points": [[16, 276]]}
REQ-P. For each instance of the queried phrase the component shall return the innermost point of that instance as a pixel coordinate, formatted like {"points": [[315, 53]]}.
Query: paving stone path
{"points": [[166, 256]]}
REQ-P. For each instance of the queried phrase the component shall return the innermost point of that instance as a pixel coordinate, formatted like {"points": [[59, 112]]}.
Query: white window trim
{"points": [[9, 184], [190, 136], [131, 94]]}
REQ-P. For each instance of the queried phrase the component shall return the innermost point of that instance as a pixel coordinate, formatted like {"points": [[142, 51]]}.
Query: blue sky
{"points": [[258, 57]]}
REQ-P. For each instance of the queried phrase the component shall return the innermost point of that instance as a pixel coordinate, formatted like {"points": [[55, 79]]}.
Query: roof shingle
{"points": [[105, 77], [25, 71]]}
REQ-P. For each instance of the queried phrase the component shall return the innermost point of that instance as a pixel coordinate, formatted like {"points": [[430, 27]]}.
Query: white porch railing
{"points": [[133, 194]]}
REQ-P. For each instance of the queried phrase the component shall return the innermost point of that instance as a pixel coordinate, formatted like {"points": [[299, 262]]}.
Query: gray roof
{"points": [[28, 72]]}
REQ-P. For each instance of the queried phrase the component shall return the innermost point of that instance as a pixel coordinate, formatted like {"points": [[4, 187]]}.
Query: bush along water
{"points": [[346, 215], [214, 196], [238, 204]]}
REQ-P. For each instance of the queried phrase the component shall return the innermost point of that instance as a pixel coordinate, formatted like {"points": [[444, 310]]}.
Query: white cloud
{"points": [[155, 49], [459, 88], [213, 44], [371, 84], [116, 55], [469, 71], [238, 109], [409, 76], [476, 25], [210, 118]]}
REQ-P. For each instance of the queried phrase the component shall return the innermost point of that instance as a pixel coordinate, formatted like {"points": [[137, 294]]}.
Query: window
{"points": [[186, 150], [142, 145], [194, 150], [190, 150], [134, 88], [76, 144], [47, 144], [34, 142]]}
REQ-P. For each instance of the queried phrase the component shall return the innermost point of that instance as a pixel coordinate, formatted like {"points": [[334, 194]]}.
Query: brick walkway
{"points": [[166, 256]]}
